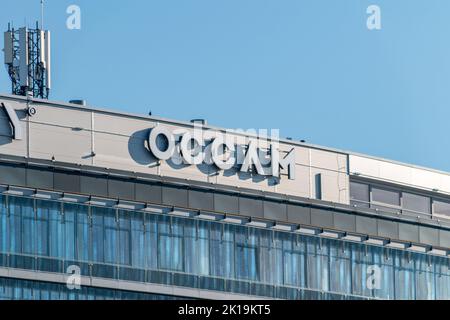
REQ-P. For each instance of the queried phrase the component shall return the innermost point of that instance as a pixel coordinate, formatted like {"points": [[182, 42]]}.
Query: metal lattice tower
{"points": [[28, 61]]}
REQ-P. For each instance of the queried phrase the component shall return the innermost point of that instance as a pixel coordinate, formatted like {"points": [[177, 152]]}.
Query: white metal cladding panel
{"points": [[123, 153], [384, 170], [169, 169], [328, 160], [244, 180], [62, 117], [65, 144], [120, 142], [301, 186], [18, 148], [334, 185], [124, 126], [302, 154]]}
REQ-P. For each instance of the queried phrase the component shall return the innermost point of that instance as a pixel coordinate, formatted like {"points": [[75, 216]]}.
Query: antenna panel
{"points": [[23, 57], [8, 48]]}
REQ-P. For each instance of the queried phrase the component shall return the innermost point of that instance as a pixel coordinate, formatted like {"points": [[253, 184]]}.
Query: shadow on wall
{"points": [[5, 140], [139, 151], [6, 128]]}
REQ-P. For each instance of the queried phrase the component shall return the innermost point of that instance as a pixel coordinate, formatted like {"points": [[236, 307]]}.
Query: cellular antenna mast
{"points": [[27, 55]]}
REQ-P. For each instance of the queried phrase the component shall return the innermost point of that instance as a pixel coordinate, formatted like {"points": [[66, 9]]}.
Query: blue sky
{"points": [[308, 67]]}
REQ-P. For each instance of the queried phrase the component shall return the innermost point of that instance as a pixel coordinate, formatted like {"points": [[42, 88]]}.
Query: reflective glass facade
{"points": [[137, 246], [16, 289]]}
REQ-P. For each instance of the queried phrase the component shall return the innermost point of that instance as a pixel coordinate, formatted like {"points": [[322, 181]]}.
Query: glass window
{"points": [[362, 268], [317, 264], [340, 267], [56, 230], [3, 226], [29, 231], [222, 250], [442, 279], [382, 259], [42, 223], [83, 236], [196, 246], [110, 237], [151, 242], [170, 244], [359, 194], [425, 282], [171, 252], [210, 248], [137, 247], [70, 231], [416, 203], [404, 276], [386, 196], [21, 225], [125, 240], [98, 236], [442, 208], [246, 259], [270, 249], [49, 229], [294, 268], [203, 248], [69, 239]]}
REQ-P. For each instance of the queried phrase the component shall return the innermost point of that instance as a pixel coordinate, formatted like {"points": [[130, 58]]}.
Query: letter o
{"points": [[153, 143]]}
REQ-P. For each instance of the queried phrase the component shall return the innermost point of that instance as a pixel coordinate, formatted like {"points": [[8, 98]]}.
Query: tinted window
{"points": [[359, 194], [416, 203], [386, 196], [442, 208]]}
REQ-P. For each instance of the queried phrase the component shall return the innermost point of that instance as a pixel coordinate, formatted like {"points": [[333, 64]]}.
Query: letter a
{"points": [[74, 20], [374, 20]]}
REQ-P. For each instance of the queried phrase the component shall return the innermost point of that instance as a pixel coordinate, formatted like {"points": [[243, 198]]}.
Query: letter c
{"points": [[194, 156], [217, 156]]}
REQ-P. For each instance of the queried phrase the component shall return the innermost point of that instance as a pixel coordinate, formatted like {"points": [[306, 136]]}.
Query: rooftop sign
{"points": [[223, 150]]}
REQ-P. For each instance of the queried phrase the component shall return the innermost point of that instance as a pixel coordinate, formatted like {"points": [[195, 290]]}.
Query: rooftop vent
{"points": [[79, 102], [200, 121]]}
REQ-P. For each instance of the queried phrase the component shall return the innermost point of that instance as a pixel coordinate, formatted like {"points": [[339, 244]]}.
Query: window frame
{"points": [[374, 204], [437, 215], [402, 190]]}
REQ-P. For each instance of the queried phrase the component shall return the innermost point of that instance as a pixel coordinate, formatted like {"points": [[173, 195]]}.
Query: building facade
{"points": [[93, 206]]}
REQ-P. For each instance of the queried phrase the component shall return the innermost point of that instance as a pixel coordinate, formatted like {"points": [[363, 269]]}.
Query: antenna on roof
{"points": [[42, 14], [27, 55]]}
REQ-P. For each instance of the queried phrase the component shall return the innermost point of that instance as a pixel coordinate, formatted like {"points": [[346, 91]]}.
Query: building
{"points": [[92, 191]]}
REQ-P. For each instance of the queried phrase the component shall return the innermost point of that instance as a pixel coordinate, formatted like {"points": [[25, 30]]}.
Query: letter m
{"points": [[287, 163]]}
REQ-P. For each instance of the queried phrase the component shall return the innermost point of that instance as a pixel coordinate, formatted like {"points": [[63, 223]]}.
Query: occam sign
{"points": [[221, 151]]}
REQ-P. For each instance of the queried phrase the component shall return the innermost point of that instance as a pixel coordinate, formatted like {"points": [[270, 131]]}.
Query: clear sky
{"points": [[310, 68]]}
